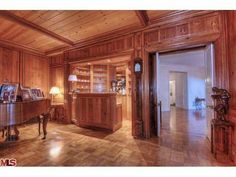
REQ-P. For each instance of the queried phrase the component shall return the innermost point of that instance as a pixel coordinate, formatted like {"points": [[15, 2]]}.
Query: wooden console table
{"points": [[59, 115]]}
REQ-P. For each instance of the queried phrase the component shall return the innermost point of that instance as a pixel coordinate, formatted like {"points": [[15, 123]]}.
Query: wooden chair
{"points": [[3, 131], [44, 120]]}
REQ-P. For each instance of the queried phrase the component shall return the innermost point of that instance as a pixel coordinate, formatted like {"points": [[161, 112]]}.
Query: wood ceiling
{"points": [[45, 31]]}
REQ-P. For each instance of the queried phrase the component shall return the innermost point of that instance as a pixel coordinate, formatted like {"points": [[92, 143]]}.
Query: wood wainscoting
{"points": [[232, 75]]}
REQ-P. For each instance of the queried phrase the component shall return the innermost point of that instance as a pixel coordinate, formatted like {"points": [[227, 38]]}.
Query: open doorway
{"points": [[184, 80]]}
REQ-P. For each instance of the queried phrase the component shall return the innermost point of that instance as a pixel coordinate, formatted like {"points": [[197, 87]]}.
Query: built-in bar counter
{"points": [[97, 110]]}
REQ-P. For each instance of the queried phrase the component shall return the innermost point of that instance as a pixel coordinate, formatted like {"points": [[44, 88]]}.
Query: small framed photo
{"points": [[9, 92], [26, 94], [36, 93]]}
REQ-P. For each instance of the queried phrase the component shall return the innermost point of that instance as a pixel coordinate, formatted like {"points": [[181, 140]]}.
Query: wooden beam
{"points": [[21, 21], [143, 17]]}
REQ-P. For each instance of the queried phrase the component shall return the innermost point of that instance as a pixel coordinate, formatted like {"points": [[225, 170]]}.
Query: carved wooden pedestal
{"points": [[221, 138]]}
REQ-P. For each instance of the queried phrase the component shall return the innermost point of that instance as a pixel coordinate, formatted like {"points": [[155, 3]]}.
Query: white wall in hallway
{"points": [[195, 78], [180, 78]]}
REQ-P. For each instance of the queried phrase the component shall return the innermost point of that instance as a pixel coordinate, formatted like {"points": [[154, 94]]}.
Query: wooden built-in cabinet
{"points": [[100, 78], [97, 110], [83, 74], [92, 78]]}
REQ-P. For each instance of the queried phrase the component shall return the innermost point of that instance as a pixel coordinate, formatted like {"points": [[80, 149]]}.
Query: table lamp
{"points": [[54, 91], [72, 78]]}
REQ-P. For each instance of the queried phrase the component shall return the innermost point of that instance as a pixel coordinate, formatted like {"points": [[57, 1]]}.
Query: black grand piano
{"points": [[18, 105]]}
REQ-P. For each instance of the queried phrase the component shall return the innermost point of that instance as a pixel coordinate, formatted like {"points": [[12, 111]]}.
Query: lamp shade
{"points": [[72, 77], [54, 91]]}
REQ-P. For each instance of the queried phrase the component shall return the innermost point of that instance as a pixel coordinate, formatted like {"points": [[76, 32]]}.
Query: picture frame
{"points": [[9, 92], [36, 93], [26, 94]]}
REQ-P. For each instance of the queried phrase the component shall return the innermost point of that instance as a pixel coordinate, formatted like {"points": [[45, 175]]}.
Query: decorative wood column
{"points": [[138, 128], [137, 88], [67, 102]]}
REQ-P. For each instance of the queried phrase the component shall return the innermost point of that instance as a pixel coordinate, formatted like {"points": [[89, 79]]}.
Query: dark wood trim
{"points": [[21, 21], [197, 47], [143, 17]]}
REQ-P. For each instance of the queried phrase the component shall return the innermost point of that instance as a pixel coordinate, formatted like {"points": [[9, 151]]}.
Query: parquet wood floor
{"points": [[182, 143]]}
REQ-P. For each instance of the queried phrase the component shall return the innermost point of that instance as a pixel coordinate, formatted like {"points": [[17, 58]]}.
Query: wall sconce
{"points": [[54, 91]]}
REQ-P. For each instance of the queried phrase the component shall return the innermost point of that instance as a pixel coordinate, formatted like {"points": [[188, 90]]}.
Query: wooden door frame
{"points": [[221, 67]]}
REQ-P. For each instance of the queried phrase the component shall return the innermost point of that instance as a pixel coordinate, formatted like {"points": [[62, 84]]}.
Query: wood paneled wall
{"points": [[26, 68], [57, 76], [9, 65], [35, 70], [111, 47], [232, 71]]}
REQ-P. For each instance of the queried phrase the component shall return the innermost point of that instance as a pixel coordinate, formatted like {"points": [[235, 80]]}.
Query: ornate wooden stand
{"points": [[221, 127], [221, 138]]}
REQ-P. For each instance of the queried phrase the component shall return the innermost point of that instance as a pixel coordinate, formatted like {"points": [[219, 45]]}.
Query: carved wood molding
{"points": [[183, 30]]}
